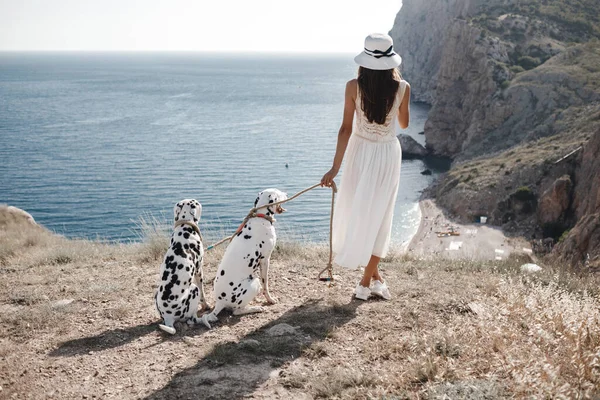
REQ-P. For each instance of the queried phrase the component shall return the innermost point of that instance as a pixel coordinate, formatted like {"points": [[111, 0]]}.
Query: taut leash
{"points": [[253, 214]]}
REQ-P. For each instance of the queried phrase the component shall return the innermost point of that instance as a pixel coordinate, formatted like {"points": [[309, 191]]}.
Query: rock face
{"points": [[446, 66], [420, 34], [584, 238], [411, 148], [466, 58], [511, 96], [555, 202]]}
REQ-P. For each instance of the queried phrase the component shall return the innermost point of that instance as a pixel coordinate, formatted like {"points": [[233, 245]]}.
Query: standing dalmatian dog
{"points": [[177, 297], [245, 263]]}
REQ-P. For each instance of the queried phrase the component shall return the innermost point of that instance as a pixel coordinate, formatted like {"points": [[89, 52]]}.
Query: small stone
{"points": [[249, 343], [62, 303], [530, 268], [281, 330], [476, 309]]}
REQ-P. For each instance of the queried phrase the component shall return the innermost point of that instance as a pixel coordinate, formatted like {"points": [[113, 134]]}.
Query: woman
{"points": [[362, 221]]}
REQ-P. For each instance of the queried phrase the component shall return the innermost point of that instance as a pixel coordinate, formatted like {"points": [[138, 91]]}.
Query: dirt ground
{"points": [[78, 322]]}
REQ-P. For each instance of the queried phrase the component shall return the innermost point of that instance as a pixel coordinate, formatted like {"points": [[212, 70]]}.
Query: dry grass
{"points": [[154, 234], [78, 319], [495, 172]]}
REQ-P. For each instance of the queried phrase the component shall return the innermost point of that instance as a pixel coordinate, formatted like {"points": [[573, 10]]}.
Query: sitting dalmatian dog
{"points": [[177, 297], [245, 263]]}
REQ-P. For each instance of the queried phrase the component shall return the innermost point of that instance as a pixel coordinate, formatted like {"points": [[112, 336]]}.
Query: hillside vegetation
{"points": [[579, 20]]}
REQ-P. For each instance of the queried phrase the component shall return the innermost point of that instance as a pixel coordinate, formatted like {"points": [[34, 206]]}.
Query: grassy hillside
{"points": [[546, 113], [579, 20], [79, 322]]}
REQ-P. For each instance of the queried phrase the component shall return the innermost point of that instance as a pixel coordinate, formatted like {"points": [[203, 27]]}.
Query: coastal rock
{"points": [[511, 96], [489, 70], [10, 214], [581, 244], [555, 201], [411, 148], [421, 30]]}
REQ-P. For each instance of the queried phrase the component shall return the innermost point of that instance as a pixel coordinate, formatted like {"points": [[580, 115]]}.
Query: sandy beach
{"points": [[438, 236]]}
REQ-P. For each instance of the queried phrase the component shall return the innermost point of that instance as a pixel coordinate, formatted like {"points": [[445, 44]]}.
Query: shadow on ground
{"points": [[103, 341], [236, 369]]}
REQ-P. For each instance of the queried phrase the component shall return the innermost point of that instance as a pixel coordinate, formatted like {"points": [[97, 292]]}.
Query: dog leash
{"points": [[252, 214]]}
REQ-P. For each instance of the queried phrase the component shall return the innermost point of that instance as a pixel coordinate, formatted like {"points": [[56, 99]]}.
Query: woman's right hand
{"points": [[327, 179]]}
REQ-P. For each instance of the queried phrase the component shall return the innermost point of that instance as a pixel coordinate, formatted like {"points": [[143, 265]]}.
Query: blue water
{"points": [[90, 142]]}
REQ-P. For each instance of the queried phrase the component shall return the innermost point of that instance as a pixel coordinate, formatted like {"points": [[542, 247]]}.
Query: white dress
{"points": [[362, 219]]}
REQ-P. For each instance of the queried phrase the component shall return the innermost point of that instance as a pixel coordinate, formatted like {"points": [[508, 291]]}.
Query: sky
{"points": [[321, 26]]}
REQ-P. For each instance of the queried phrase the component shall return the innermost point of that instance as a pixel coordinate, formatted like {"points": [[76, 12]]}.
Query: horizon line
{"points": [[175, 51]]}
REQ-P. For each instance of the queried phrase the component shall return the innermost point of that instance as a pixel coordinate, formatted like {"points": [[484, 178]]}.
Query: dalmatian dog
{"points": [[177, 297], [244, 269]]}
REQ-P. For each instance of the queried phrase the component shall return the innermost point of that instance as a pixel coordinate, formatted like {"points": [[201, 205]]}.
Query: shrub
{"points": [[516, 69], [528, 62], [524, 193], [504, 85], [564, 235]]}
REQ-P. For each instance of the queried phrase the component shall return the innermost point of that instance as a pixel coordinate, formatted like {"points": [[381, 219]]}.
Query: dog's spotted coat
{"points": [[245, 264], [181, 281]]}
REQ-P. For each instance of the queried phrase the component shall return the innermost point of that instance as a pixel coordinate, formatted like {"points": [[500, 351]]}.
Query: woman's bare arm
{"points": [[344, 133], [404, 112]]}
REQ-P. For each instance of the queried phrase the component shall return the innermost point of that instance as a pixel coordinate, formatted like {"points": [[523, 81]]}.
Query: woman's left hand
{"points": [[327, 179]]}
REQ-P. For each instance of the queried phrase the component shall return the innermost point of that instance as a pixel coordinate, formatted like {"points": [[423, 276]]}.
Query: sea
{"points": [[96, 145]]}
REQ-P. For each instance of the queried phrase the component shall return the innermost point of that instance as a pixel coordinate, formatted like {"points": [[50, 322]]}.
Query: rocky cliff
{"points": [[514, 87], [464, 57], [581, 244]]}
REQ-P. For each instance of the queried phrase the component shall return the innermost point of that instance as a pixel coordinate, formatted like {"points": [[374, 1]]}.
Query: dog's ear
{"points": [[257, 199], [280, 197], [196, 210], [177, 210]]}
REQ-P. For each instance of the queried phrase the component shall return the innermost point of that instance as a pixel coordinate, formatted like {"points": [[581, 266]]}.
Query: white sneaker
{"points": [[381, 290], [361, 292]]}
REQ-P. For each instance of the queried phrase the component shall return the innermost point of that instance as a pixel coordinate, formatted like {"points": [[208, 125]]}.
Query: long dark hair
{"points": [[378, 92]]}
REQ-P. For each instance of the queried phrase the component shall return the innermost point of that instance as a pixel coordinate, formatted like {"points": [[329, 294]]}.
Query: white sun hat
{"points": [[379, 53]]}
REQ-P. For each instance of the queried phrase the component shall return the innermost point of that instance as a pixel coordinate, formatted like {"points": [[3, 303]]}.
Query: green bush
{"points": [[524, 193], [516, 69], [504, 85], [528, 63], [564, 235]]}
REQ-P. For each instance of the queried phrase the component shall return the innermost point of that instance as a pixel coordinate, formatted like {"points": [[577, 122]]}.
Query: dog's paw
{"points": [[168, 329], [205, 320]]}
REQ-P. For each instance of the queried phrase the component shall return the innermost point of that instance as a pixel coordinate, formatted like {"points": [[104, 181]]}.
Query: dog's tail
{"points": [[168, 329]]}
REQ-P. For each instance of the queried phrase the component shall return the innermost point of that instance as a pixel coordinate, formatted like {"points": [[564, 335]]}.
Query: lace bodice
{"points": [[373, 131]]}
